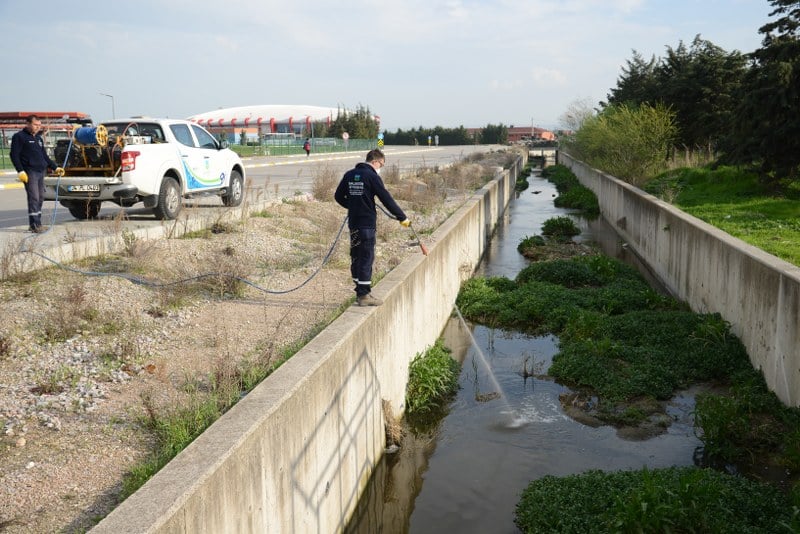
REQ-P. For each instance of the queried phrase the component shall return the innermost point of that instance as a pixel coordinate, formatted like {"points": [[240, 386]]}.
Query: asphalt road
{"points": [[268, 177]]}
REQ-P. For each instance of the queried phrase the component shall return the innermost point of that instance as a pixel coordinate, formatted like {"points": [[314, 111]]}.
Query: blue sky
{"points": [[413, 63]]}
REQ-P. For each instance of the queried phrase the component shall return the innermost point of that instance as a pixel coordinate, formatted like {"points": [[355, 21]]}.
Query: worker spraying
{"points": [[356, 192]]}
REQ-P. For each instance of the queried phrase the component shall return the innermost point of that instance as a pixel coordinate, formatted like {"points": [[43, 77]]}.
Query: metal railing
{"points": [[294, 146]]}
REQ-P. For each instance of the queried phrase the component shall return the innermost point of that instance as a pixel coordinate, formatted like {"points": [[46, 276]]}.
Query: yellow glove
{"points": [[22, 176], [405, 223], [59, 171]]}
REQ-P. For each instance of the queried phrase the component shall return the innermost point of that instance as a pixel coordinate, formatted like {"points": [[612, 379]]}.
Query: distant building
{"points": [[263, 120], [521, 134]]}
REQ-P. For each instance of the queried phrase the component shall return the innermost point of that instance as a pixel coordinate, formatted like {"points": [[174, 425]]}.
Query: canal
{"points": [[506, 426]]}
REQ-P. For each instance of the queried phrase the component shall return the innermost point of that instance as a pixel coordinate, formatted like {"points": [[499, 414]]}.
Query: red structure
{"points": [[56, 124]]}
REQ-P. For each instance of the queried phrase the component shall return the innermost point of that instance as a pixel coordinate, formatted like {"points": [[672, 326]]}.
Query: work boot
{"points": [[368, 300], [39, 229]]}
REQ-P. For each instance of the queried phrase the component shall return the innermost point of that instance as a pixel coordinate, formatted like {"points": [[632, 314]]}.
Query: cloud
{"points": [[505, 85], [548, 77]]}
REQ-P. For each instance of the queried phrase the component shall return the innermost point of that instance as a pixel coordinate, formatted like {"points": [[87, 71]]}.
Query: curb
{"points": [[11, 186]]}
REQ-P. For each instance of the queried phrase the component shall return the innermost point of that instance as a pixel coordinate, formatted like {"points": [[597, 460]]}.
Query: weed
{"points": [[324, 183], [70, 314], [433, 379], [561, 229], [55, 381], [677, 499]]}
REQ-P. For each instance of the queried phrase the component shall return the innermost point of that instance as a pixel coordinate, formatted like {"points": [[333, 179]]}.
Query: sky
{"points": [[414, 63]]}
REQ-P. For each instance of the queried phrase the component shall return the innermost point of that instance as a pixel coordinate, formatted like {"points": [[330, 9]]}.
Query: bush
{"points": [[629, 143], [677, 499], [560, 228], [579, 198], [529, 242]]}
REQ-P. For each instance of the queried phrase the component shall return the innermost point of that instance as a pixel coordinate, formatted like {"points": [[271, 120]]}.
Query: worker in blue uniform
{"points": [[356, 192], [31, 162]]}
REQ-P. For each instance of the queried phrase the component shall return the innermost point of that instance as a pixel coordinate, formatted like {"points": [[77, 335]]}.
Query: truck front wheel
{"points": [[233, 197], [84, 209], [168, 205]]}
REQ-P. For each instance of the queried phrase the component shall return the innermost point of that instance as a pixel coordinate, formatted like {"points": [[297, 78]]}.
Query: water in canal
{"points": [[467, 474]]}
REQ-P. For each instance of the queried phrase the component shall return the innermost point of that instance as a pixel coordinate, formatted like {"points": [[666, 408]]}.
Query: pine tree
{"points": [[767, 129]]}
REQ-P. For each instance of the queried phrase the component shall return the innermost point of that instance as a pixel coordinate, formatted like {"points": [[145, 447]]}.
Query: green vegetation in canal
{"points": [[522, 180], [561, 229], [619, 339], [571, 194], [432, 381], [750, 422], [684, 499], [737, 202], [625, 350]]}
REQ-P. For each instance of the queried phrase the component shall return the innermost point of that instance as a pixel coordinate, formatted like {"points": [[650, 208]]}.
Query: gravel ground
{"points": [[78, 354]]}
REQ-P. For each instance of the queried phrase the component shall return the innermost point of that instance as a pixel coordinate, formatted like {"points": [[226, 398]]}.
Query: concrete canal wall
{"points": [[756, 292], [296, 452]]}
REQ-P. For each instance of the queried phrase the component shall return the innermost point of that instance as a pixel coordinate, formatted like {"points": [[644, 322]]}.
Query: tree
{"points": [[494, 134], [766, 130], [699, 83], [577, 113], [630, 143], [359, 124], [637, 83]]}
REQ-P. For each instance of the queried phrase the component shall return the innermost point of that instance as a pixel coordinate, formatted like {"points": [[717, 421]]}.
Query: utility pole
{"points": [[113, 113]]}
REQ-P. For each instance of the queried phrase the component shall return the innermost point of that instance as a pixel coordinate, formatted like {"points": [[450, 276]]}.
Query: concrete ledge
{"points": [[295, 454], [759, 294]]}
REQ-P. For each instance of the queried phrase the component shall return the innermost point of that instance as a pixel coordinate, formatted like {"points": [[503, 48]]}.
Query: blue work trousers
{"points": [[362, 256], [34, 189]]}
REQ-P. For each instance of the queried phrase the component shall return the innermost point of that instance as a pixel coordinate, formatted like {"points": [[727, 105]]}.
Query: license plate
{"points": [[83, 188]]}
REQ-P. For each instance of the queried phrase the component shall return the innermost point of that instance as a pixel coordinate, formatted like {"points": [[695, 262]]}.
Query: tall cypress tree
{"points": [[767, 129]]}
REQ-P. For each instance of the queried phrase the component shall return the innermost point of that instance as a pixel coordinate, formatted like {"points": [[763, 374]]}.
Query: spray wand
{"points": [[422, 247]]}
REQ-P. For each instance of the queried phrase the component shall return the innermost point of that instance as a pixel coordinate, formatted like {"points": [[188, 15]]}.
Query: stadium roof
{"points": [[244, 116]]}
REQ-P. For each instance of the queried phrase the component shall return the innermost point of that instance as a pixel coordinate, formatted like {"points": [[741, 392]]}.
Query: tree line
{"points": [[362, 124], [488, 135], [742, 107]]}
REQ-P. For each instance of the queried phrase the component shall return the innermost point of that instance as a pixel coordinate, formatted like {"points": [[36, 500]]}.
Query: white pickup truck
{"points": [[155, 161]]}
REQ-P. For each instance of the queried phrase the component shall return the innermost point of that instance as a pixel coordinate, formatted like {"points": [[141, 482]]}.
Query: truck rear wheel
{"points": [[233, 197], [84, 209], [168, 205]]}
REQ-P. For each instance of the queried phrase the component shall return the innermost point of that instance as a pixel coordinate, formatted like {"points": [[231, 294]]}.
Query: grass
{"points": [[750, 422], [432, 380], [176, 427], [676, 499], [736, 202]]}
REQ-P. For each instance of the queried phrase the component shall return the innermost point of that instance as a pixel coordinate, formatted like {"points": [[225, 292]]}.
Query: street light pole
{"points": [[113, 113]]}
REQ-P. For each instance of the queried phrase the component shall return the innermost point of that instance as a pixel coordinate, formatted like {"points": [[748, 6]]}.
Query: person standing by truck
{"points": [[356, 192], [31, 162]]}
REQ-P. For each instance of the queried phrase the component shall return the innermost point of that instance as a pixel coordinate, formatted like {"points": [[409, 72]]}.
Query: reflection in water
{"points": [[475, 464]]}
